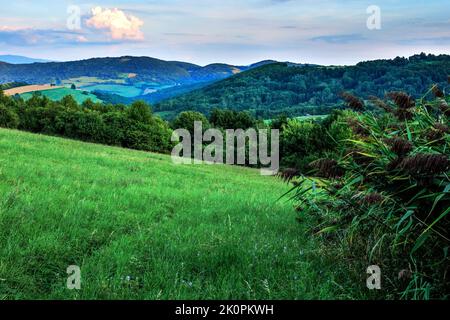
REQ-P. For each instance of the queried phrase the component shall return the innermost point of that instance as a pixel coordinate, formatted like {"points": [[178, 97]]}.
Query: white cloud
{"points": [[120, 25]]}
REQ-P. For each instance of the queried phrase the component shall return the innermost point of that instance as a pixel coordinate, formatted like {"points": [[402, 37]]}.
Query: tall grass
{"points": [[383, 197], [141, 227]]}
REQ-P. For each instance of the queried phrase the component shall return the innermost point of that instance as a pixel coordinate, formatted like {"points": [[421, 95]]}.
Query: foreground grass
{"points": [[141, 227]]}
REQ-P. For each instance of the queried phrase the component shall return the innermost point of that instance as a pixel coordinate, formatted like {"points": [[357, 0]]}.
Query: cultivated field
{"points": [[30, 88]]}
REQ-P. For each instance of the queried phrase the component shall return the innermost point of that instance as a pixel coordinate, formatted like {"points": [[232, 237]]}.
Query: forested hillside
{"points": [[124, 79], [135, 69], [299, 90]]}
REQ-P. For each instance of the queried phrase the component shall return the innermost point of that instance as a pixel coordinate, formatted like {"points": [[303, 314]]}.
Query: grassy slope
{"points": [[122, 90], [179, 232], [58, 94]]}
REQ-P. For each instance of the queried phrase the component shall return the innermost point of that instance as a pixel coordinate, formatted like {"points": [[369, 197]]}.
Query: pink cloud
{"points": [[120, 25], [82, 39], [8, 28]]}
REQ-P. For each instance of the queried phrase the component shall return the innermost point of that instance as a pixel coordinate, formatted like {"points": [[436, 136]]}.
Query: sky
{"points": [[238, 32]]}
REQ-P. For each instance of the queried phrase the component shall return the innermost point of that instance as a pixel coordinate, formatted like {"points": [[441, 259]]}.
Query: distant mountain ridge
{"points": [[14, 59], [140, 69]]}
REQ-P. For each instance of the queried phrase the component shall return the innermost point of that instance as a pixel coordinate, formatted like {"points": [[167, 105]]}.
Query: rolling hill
{"points": [[13, 59], [298, 90], [129, 77], [142, 68]]}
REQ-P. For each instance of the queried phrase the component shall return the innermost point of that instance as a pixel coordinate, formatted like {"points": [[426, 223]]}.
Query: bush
{"points": [[302, 142], [186, 120], [230, 119], [116, 125], [86, 126], [140, 111], [8, 118], [154, 137]]}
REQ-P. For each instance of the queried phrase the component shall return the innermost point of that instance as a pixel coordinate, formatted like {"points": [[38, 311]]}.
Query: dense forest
{"points": [[297, 90]]}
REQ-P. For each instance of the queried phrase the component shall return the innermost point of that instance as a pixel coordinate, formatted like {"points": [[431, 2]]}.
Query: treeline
{"points": [[130, 127], [11, 85], [135, 126], [222, 119], [301, 141], [301, 90]]}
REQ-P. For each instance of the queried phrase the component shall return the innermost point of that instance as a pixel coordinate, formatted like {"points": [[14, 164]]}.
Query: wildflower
{"points": [[437, 92], [352, 101], [445, 109], [437, 132], [338, 186], [404, 274], [358, 156], [425, 164], [399, 146], [288, 174], [402, 100], [327, 168], [357, 127], [372, 198], [381, 104]]}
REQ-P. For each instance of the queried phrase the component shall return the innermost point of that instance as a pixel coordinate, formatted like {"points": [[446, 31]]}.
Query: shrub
{"points": [[8, 118], [86, 126], [302, 142], [230, 119], [116, 125], [69, 102], [186, 120], [154, 137], [140, 111]]}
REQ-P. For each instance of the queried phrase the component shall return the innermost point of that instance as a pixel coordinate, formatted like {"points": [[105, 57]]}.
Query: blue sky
{"points": [[232, 31]]}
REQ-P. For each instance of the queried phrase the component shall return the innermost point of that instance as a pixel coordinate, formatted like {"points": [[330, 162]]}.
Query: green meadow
{"points": [[59, 93], [141, 227], [127, 91]]}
